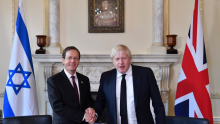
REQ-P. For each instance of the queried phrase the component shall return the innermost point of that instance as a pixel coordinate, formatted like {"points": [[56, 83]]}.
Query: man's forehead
{"points": [[72, 52], [105, 1], [121, 52]]}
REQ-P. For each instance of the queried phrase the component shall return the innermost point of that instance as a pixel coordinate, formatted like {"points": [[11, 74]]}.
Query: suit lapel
{"points": [[81, 89], [136, 83], [69, 86], [112, 84]]}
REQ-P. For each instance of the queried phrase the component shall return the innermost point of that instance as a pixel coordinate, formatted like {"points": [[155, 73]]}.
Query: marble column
{"points": [[158, 45], [54, 27]]}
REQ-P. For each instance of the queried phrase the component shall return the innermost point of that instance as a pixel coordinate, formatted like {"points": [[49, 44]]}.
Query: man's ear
{"points": [[130, 60]]}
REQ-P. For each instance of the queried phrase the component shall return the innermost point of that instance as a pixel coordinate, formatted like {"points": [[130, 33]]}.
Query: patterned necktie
{"points": [[75, 86], [123, 101]]}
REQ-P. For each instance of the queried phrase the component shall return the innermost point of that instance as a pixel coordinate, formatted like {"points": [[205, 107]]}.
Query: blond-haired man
{"points": [[127, 90]]}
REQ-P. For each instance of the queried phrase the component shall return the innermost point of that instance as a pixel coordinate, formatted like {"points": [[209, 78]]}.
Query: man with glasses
{"points": [[127, 91], [69, 92]]}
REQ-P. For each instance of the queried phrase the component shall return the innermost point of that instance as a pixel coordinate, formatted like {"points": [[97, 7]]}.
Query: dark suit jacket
{"points": [[64, 101], [145, 88]]}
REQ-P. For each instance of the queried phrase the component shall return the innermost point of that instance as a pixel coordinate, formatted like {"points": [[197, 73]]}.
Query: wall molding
{"points": [[201, 7], [215, 95], [14, 15], [216, 120], [13, 19], [46, 21], [1, 93], [165, 21]]}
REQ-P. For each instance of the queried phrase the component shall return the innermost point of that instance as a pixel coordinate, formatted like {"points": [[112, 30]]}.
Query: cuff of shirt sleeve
{"points": [[83, 117]]}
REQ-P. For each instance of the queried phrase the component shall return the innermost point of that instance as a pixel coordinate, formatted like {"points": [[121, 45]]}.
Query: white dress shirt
{"points": [[132, 119], [71, 80]]}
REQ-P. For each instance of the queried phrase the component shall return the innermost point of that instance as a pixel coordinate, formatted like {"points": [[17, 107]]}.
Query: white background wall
{"points": [[137, 36]]}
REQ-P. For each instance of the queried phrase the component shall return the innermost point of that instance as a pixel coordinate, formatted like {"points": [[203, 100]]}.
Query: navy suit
{"points": [[145, 88], [66, 107]]}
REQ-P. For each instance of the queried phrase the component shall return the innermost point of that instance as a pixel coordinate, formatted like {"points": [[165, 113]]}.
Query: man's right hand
{"points": [[90, 115], [90, 111]]}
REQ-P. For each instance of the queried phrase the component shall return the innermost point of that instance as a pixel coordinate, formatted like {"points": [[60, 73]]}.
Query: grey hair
{"points": [[119, 47]]}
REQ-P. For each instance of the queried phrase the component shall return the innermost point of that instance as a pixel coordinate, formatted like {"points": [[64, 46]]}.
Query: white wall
{"points": [[74, 28], [137, 36], [5, 41]]}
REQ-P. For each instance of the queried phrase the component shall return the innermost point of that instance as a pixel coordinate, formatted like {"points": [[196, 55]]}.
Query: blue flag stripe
{"points": [[7, 107], [182, 109], [23, 36]]}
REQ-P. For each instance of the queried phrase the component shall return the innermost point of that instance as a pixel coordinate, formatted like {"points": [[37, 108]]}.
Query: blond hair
{"points": [[119, 47]]}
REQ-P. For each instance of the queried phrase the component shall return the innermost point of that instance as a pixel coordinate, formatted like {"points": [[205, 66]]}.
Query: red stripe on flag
{"points": [[186, 86], [195, 19]]}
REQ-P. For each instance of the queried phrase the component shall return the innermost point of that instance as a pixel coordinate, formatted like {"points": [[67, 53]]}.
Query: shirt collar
{"points": [[129, 72], [69, 75]]}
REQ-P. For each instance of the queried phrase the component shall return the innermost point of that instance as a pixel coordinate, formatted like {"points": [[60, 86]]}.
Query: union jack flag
{"points": [[192, 95]]}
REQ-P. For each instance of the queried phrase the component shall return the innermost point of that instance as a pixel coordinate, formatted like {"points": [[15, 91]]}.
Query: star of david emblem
{"points": [[23, 84]]}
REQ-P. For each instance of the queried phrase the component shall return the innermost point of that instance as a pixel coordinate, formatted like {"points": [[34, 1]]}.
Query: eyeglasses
{"points": [[70, 58]]}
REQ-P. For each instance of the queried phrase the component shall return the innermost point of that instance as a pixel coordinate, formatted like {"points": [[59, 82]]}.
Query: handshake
{"points": [[90, 115]]}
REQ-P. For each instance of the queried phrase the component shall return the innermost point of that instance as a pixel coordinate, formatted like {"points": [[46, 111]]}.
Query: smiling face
{"points": [[71, 61], [121, 61]]}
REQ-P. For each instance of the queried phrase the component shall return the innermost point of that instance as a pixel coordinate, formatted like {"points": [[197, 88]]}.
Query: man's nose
{"points": [[120, 61], [72, 60]]}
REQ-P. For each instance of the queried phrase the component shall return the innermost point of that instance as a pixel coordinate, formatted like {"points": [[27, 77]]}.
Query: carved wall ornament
{"points": [[157, 72], [57, 69], [94, 73]]}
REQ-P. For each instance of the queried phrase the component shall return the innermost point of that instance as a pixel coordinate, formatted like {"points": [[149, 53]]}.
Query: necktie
{"points": [[123, 101], [75, 86]]}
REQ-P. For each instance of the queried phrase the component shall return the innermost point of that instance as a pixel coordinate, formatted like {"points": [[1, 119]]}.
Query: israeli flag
{"points": [[20, 96]]}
